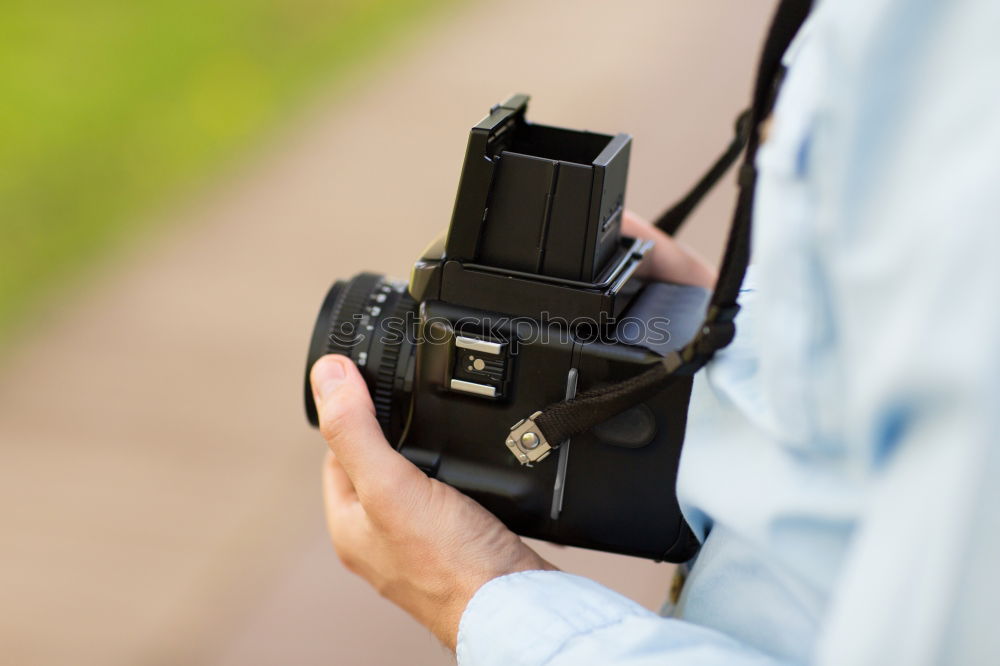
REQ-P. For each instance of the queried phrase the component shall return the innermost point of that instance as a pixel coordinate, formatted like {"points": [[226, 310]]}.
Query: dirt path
{"points": [[159, 484]]}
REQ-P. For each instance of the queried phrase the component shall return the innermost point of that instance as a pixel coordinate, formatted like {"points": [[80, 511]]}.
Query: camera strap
{"points": [[675, 216], [560, 421]]}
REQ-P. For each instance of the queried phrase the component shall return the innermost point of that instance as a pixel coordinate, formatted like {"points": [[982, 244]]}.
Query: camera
{"points": [[530, 297]]}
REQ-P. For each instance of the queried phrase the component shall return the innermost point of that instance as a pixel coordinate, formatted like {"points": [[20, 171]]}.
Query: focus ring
{"points": [[385, 377]]}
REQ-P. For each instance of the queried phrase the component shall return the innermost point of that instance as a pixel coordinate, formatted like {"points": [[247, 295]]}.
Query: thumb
{"points": [[347, 421]]}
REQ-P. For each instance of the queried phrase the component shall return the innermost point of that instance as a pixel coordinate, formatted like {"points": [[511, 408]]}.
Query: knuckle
{"points": [[347, 559], [347, 541]]}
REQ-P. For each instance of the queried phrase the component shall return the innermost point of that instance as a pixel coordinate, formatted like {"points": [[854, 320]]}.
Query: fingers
{"points": [[631, 221], [670, 260], [338, 490], [347, 421], [345, 517]]}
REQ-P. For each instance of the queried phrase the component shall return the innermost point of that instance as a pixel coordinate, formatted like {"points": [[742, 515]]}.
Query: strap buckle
{"points": [[716, 332]]}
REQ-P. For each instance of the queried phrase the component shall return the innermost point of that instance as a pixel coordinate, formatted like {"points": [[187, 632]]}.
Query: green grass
{"points": [[109, 107]]}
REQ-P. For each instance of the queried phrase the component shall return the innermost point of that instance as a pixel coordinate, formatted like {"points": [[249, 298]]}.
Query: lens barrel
{"points": [[371, 320]]}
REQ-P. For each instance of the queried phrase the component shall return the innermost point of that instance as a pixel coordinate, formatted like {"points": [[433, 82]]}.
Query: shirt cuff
{"points": [[525, 618]]}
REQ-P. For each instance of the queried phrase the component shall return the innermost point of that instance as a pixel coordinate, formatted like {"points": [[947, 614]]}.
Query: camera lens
{"points": [[372, 320]]}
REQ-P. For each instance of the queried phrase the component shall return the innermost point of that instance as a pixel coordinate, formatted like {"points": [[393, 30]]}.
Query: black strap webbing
{"points": [[790, 16], [672, 219], [562, 420]]}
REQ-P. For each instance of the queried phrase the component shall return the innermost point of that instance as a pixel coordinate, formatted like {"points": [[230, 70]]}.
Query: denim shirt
{"points": [[842, 461]]}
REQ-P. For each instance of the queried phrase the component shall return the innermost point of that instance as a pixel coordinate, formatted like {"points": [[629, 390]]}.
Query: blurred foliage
{"points": [[107, 107]]}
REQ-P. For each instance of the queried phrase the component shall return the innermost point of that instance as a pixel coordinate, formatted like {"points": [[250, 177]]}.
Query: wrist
{"points": [[450, 616]]}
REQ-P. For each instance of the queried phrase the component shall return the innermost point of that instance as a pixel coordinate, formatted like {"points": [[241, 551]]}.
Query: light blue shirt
{"points": [[842, 462]]}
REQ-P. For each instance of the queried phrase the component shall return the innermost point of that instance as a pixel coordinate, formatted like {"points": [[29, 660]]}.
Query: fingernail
{"points": [[328, 373]]}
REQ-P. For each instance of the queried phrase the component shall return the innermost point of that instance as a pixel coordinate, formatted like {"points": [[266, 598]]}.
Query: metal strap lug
{"points": [[526, 441]]}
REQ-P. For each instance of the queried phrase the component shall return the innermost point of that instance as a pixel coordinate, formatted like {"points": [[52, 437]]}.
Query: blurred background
{"points": [[180, 182]]}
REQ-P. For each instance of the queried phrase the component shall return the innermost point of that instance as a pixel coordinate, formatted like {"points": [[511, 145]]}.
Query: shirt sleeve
{"points": [[552, 618]]}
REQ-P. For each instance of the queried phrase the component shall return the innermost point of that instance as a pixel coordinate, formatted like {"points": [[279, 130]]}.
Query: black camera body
{"points": [[531, 298]]}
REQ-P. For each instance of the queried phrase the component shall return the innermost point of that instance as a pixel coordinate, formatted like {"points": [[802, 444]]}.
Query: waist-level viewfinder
{"points": [[539, 199]]}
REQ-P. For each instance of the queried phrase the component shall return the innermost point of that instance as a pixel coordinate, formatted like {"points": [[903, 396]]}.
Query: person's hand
{"points": [[421, 544], [669, 260]]}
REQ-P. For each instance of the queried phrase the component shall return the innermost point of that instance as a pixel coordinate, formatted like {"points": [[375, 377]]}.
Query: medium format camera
{"points": [[531, 297]]}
